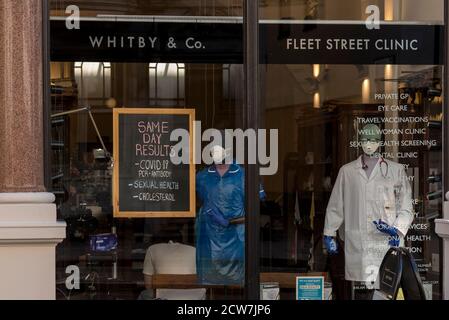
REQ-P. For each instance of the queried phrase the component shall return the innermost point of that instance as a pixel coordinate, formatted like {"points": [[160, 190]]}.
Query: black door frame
{"points": [[252, 120], [47, 91], [444, 260]]}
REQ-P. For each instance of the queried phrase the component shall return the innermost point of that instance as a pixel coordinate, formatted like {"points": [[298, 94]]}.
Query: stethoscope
{"points": [[382, 162]]}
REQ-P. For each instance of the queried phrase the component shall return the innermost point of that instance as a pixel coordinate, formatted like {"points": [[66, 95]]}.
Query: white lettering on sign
{"points": [[191, 43], [351, 44]]}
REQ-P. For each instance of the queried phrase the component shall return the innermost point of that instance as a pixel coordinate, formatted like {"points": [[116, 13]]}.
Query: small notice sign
{"points": [[309, 288]]}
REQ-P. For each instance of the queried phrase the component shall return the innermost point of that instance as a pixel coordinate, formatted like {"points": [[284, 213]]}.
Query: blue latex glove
{"points": [[215, 214], [331, 245], [389, 230]]}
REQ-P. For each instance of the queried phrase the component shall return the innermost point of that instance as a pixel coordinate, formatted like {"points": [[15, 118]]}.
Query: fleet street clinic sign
{"points": [[290, 42], [146, 184]]}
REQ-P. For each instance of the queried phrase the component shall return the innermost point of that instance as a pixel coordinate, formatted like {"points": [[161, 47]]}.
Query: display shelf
{"points": [[58, 121], [315, 164], [63, 97], [57, 144], [435, 124]]}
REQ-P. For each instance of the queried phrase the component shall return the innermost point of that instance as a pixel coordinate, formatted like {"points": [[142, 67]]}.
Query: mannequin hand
{"points": [[394, 241], [331, 245], [216, 216], [385, 228], [389, 230]]}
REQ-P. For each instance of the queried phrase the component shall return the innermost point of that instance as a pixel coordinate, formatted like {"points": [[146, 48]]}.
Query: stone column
{"points": [[29, 231]]}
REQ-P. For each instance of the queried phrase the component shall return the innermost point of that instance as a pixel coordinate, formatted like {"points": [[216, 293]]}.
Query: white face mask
{"points": [[370, 147], [219, 154]]}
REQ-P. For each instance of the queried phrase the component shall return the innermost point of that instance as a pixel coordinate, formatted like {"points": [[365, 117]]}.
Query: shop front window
{"points": [[132, 232], [360, 147], [351, 95]]}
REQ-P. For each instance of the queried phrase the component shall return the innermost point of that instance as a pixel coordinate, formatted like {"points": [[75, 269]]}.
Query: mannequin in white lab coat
{"points": [[370, 207], [370, 164]]}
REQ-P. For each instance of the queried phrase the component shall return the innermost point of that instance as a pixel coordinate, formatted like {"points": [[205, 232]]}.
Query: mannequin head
{"points": [[370, 137], [219, 154]]}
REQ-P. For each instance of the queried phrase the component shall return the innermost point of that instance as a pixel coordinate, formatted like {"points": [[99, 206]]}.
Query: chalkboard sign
{"points": [[146, 182]]}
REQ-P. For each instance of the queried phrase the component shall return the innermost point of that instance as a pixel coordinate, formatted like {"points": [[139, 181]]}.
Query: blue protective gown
{"points": [[220, 250]]}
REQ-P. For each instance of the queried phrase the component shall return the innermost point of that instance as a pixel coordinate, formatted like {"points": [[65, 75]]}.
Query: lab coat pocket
{"points": [[353, 242], [388, 205]]}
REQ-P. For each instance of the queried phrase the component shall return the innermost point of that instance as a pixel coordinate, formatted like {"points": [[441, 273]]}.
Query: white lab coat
{"points": [[356, 201]]}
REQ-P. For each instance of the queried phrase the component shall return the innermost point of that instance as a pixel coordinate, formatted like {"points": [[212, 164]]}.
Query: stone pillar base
{"points": [[29, 234]]}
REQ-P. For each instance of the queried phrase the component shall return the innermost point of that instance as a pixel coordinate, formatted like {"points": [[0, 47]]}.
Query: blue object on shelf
{"points": [[103, 242]]}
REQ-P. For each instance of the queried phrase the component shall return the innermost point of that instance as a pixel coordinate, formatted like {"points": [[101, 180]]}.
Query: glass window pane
{"points": [[154, 257], [359, 143]]}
